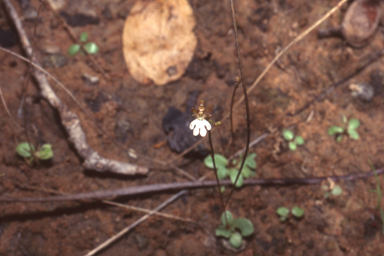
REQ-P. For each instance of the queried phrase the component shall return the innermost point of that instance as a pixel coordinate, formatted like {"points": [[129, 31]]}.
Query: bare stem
{"points": [[245, 100], [216, 176], [231, 110]]}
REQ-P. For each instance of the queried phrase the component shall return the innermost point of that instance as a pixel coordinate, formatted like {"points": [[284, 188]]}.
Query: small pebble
{"points": [[51, 49], [56, 4], [362, 91], [90, 79]]}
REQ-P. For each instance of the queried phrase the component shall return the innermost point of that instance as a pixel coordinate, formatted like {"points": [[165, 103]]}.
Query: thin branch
{"points": [[164, 187], [139, 209], [69, 119]]}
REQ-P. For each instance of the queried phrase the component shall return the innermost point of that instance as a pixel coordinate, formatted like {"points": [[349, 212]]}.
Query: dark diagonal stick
{"points": [[161, 188]]}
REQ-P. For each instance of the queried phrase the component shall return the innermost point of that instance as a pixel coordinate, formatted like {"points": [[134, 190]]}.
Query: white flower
{"points": [[200, 126]]}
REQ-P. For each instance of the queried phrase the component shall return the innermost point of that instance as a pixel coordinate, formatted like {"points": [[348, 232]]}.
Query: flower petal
{"points": [[207, 125], [196, 131], [193, 124], [203, 131]]}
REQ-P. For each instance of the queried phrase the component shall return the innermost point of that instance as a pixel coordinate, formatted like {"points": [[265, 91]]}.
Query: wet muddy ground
{"points": [[132, 114]]}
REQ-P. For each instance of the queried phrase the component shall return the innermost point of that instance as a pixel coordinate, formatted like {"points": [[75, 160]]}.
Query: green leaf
{"points": [[282, 211], [73, 49], [236, 240], [246, 172], [297, 212], [245, 226], [337, 190], [333, 130], [91, 48], [84, 37], [344, 118], [339, 138], [25, 149], [221, 231], [292, 145], [250, 161], [299, 140], [45, 152], [221, 172], [353, 124], [353, 134], [222, 189], [288, 134], [229, 218], [233, 174], [220, 161], [327, 194], [283, 218]]}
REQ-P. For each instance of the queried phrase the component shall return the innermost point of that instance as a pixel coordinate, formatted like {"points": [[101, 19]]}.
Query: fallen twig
{"points": [[71, 122], [158, 188]]}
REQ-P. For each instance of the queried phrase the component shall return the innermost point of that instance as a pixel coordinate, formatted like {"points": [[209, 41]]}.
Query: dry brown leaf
{"points": [[158, 40]]}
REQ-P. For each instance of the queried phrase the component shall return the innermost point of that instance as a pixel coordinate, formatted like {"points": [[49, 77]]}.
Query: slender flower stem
{"points": [[217, 177], [245, 101], [231, 110]]}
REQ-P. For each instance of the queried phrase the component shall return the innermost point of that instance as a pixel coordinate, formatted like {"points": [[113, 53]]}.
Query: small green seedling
{"points": [[293, 141], [335, 191], [378, 193], [283, 212], [29, 153], [348, 128], [90, 47], [235, 230], [231, 169]]}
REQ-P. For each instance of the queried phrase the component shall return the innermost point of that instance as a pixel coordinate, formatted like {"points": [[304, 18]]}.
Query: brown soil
{"points": [[132, 114]]}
